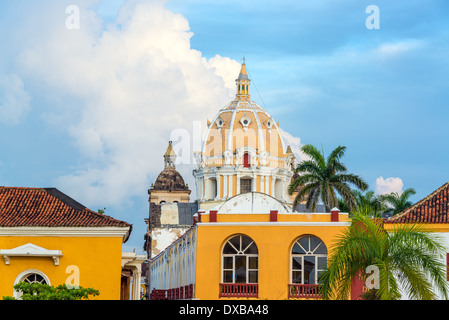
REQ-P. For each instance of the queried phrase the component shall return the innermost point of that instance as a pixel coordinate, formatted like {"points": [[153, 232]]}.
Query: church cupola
{"points": [[243, 82], [243, 151], [169, 186]]}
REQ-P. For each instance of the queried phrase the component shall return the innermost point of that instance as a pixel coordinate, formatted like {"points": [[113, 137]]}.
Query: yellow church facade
{"points": [[288, 251]]}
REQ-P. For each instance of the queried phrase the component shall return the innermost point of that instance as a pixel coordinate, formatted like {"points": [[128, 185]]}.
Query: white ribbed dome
{"points": [[243, 151]]}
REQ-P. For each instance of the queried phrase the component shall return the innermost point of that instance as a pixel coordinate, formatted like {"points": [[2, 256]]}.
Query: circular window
{"points": [[245, 121]]}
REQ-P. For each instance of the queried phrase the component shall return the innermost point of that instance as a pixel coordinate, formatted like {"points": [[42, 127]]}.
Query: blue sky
{"points": [[90, 110]]}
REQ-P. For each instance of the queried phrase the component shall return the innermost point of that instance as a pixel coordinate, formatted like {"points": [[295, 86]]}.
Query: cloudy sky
{"points": [[92, 90]]}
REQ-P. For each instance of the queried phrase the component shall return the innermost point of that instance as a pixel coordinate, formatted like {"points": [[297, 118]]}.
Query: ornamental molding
{"points": [[31, 250], [65, 231]]}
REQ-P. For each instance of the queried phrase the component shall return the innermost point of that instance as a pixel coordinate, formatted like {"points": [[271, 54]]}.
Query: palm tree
{"points": [[323, 178], [369, 199], [398, 202], [408, 257]]}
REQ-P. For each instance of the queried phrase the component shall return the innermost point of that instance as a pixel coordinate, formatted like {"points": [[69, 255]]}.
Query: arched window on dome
{"points": [[246, 160]]}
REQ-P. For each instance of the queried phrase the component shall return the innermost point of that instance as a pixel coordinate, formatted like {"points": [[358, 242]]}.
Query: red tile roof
{"points": [[39, 207], [432, 209]]}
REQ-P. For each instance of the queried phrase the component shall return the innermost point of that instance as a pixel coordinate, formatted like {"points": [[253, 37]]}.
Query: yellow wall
{"points": [[274, 245], [98, 260]]}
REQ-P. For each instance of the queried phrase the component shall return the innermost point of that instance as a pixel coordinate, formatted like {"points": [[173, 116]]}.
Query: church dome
{"points": [[169, 179], [242, 127], [252, 202], [243, 152]]}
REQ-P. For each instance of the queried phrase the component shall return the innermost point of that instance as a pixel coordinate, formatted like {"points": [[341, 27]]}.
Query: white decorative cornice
{"points": [[31, 250], [64, 232]]}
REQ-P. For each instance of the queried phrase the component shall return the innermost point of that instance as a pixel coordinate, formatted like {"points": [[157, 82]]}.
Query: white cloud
{"points": [[295, 144], [14, 100], [138, 80], [389, 185], [398, 47]]}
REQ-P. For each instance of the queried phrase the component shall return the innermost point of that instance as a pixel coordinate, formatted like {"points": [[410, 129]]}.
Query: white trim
{"points": [[276, 224], [31, 250], [231, 131], [259, 131], [64, 231], [279, 213], [25, 273]]}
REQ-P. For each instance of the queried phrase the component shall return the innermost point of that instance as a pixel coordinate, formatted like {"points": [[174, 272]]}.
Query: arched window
{"points": [[308, 260], [30, 276], [240, 260], [34, 278]]}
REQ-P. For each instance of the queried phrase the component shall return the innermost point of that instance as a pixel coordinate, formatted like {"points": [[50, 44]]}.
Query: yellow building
{"points": [[47, 237], [248, 241]]}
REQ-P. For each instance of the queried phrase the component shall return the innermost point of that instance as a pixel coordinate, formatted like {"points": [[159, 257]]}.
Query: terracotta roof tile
{"points": [[432, 209], [39, 207]]}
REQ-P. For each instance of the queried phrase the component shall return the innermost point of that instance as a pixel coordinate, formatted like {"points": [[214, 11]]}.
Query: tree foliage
{"points": [[39, 291], [399, 203], [322, 179], [408, 258]]}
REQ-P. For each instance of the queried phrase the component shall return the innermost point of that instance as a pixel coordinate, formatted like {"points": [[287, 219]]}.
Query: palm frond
{"points": [[314, 154]]}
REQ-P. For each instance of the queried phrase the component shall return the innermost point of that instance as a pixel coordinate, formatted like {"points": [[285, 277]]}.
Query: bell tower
{"points": [[169, 186]]}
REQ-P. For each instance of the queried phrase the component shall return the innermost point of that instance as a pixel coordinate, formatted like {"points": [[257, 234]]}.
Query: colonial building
{"points": [[48, 237], [246, 240], [431, 213]]}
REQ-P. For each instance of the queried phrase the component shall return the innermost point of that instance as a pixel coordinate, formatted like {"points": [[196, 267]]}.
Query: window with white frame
{"points": [[240, 260], [34, 278], [30, 276], [308, 260]]}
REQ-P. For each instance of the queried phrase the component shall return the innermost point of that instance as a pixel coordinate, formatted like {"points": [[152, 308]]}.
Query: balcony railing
{"points": [[239, 290], [304, 291], [180, 293]]}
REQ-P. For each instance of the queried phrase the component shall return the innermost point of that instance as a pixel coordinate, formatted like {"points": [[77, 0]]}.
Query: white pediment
{"points": [[30, 250]]}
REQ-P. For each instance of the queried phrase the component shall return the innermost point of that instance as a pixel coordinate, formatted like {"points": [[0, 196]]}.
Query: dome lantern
{"points": [[243, 82]]}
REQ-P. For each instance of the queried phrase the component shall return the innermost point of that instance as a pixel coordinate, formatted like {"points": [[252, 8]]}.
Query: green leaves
{"points": [[322, 179], [398, 202], [407, 257], [39, 291]]}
